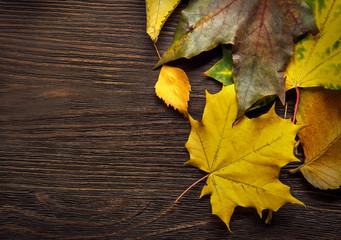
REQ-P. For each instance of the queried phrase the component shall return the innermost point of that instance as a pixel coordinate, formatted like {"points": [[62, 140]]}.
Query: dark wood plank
{"points": [[87, 150]]}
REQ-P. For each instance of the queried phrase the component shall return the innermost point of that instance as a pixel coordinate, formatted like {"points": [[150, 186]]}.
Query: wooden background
{"points": [[87, 151]]}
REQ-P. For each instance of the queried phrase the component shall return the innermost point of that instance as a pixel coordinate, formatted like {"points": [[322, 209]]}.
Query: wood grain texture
{"points": [[87, 150]]}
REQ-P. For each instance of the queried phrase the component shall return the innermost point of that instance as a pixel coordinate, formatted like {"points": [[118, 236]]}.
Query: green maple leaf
{"points": [[262, 32]]}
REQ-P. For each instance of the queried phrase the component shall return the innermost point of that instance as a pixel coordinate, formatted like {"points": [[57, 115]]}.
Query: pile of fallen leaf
{"points": [[269, 47]]}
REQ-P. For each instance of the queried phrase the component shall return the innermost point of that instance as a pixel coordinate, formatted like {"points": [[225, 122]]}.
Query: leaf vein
{"points": [[221, 138], [314, 159], [316, 40], [203, 148]]}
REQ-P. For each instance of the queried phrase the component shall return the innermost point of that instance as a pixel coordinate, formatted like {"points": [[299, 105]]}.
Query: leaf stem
{"points": [[297, 102], [157, 51], [285, 110], [295, 170], [268, 219], [204, 177]]}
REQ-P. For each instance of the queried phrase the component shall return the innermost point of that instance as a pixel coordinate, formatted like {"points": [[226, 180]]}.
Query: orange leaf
{"points": [[173, 88], [320, 109]]}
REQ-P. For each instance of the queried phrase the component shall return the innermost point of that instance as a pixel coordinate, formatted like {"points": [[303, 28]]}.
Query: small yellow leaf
{"points": [[157, 13], [317, 59], [321, 140], [243, 159], [173, 88]]}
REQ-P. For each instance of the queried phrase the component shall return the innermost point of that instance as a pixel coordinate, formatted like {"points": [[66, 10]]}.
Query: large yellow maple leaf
{"points": [[243, 159], [317, 59], [157, 13], [321, 140]]}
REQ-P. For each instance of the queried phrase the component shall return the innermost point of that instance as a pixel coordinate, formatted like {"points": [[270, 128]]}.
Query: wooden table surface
{"points": [[87, 150]]}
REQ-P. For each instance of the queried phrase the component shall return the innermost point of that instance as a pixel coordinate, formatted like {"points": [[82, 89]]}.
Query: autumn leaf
{"points": [[174, 88], [222, 70], [157, 14], [262, 31], [321, 140], [243, 159], [317, 59]]}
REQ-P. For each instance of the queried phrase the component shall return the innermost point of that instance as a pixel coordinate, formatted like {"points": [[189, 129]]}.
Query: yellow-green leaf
{"points": [[157, 13], [174, 88], [222, 70], [243, 159], [317, 59], [321, 140]]}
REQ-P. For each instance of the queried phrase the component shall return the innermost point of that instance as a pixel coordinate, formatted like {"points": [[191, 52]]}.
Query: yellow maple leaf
{"points": [[157, 13], [243, 159], [317, 59], [321, 140], [173, 88]]}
